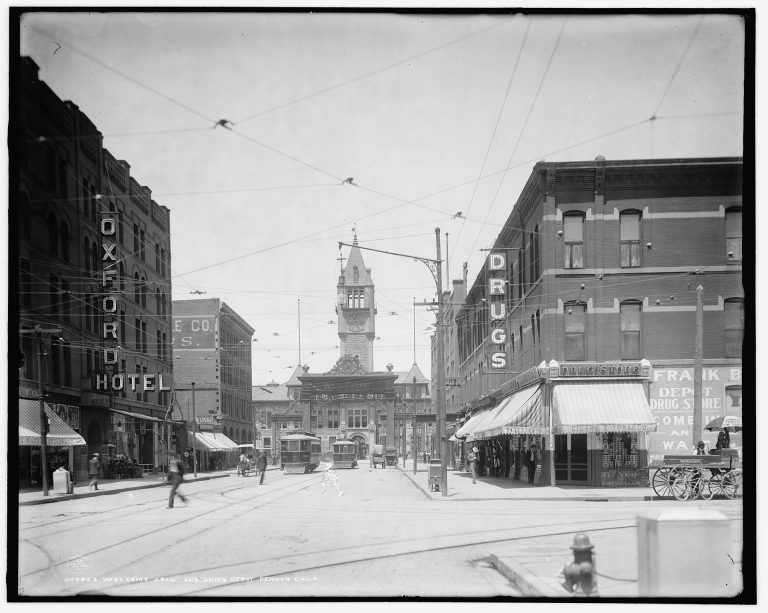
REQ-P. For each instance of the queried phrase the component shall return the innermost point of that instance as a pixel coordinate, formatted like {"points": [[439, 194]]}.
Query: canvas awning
{"points": [[520, 413], [471, 424], [211, 441], [137, 415], [59, 433], [591, 406]]}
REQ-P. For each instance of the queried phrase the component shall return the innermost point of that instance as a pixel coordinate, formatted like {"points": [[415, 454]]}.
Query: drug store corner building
{"points": [[590, 420]]}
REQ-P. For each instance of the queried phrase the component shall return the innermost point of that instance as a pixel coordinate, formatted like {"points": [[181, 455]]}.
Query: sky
{"points": [[429, 115]]}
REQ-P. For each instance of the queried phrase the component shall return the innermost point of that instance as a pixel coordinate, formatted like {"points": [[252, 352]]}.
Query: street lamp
{"points": [[436, 268]]}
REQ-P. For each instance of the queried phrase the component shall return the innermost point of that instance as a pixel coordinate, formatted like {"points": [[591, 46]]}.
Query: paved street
{"points": [[383, 537]]}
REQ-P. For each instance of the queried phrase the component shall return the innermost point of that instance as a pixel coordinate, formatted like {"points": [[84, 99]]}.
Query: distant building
{"points": [[595, 276], [93, 255], [212, 355]]}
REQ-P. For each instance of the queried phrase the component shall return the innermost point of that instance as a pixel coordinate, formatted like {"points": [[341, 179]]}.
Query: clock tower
{"points": [[355, 309]]}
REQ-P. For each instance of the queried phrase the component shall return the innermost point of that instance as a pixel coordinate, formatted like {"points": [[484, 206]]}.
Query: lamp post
{"points": [[436, 268]]}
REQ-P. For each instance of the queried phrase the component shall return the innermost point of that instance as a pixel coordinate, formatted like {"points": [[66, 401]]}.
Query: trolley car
{"points": [[344, 454], [687, 477], [299, 453]]}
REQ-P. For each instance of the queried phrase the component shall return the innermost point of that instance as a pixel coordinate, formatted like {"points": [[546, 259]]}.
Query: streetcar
{"points": [[344, 454], [299, 453]]}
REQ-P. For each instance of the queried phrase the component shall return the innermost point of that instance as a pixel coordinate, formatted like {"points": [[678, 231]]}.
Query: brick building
{"points": [[93, 255], [212, 354], [589, 296]]}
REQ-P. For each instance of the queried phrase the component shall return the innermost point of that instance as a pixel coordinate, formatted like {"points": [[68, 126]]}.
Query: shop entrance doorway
{"points": [[571, 459]]}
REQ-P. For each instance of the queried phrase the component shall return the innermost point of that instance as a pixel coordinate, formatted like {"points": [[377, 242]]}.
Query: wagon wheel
{"points": [[732, 484], [708, 488], [642, 477], [680, 483], [660, 482]]}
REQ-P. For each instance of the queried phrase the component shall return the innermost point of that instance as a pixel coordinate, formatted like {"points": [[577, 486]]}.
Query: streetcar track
{"points": [[158, 530]]}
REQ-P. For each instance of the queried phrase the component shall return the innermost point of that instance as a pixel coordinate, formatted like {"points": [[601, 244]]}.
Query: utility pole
{"points": [[441, 374], [697, 367], [436, 268], [194, 432]]}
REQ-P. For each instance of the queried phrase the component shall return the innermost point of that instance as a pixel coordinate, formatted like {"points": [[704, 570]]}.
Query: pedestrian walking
{"points": [[473, 460], [329, 476], [532, 457], [175, 476], [94, 465], [261, 465]]}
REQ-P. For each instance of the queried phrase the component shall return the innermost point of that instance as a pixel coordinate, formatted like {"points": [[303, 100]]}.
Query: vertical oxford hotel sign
{"points": [[497, 284], [111, 379]]}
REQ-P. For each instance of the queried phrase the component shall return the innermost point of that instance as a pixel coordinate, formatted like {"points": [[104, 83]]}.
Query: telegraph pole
{"points": [[697, 367], [441, 374]]}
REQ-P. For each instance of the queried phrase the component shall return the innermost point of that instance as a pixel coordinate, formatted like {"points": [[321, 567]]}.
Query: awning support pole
{"points": [[548, 395]]}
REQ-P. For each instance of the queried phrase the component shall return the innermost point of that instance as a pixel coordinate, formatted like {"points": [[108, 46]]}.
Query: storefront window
{"points": [[619, 449]]}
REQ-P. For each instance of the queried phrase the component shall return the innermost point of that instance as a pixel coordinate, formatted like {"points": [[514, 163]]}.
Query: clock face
{"points": [[356, 323]]}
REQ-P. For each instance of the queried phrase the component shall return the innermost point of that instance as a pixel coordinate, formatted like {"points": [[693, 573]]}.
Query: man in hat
{"points": [[700, 448], [94, 464], [473, 460]]}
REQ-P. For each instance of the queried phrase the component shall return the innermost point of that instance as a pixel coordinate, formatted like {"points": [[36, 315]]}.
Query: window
{"points": [[25, 283], [137, 331], [630, 321], [629, 222], [333, 418], [142, 244], [573, 250], [733, 234], [64, 237], [144, 292], [575, 331], [356, 299], [734, 327], [53, 235], [136, 239], [157, 257], [357, 418], [136, 288]]}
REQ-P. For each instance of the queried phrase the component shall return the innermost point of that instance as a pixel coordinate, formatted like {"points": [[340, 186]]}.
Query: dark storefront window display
{"points": [[619, 449]]}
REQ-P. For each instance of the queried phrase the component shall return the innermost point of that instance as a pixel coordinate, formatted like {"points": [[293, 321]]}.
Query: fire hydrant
{"points": [[581, 572]]}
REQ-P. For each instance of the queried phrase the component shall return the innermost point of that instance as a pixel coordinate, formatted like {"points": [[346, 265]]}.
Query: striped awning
{"points": [[592, 406], [471, 424], [520, 413], [214, 441], [59, 433]]}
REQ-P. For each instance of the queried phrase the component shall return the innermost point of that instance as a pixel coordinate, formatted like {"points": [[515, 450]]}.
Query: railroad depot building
{"points": [[352, 400], [212, 370], [93, 254], [579, 332]]}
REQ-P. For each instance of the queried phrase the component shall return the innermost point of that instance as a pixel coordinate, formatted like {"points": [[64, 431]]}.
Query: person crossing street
{"points": [[175, 476]]}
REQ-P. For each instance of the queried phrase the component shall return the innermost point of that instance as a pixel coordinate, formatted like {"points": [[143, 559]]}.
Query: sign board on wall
{"points": [[194, 332], [671, 399]]}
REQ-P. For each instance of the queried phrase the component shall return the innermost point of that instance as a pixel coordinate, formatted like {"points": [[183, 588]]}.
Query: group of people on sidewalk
{"points": [[529, 457]]}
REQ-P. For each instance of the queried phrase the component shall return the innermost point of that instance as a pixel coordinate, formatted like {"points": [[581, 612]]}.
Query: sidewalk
{"points": [[460, 487], [116, 486]]}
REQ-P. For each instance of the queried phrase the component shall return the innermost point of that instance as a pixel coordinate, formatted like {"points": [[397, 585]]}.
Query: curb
{"points": [[527, 582], [592, 498], [102, 492]]}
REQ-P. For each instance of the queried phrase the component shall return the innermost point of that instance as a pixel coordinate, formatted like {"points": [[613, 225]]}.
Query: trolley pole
{"points": [[441, 373]]}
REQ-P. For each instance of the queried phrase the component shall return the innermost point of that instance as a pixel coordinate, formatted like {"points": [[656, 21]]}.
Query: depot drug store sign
{"points": [[671, 400]]}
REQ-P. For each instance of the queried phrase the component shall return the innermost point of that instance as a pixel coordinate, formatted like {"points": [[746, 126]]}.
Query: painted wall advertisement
{"points": [[672, 406]]}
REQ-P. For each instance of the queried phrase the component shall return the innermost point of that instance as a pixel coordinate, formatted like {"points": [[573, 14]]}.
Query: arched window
{"points": [[144, 292], [136, 288], [355, 274], [575, 331], [734, 327], [64, 241], [629, 222], [733, 231], [53, 234], [573, 231], [631, 330]]}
